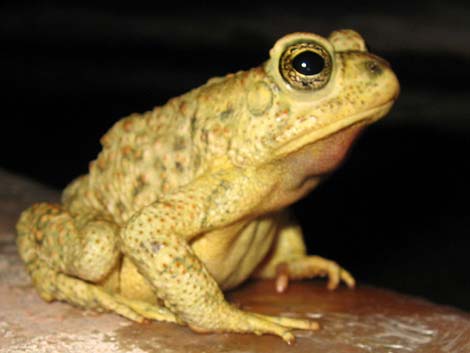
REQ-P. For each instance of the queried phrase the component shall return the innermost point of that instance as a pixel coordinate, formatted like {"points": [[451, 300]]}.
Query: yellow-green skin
{"points": [[190, 198]]}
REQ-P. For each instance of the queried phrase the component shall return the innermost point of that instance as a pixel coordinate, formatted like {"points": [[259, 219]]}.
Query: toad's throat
{"points": [[304, 168], [314, 136], [325, 155]]}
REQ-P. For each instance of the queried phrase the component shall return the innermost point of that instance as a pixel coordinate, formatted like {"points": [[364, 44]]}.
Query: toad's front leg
{"points": [[289, 260], [156, 242]]}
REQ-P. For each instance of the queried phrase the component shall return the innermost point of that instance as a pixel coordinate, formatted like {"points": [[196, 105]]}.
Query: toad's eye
{"points": [[306, 66], [308, 63]]}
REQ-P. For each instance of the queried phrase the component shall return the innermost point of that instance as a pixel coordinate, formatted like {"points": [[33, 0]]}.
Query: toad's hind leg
{"points": [[64, 256], [59, 255], [83, 247]]}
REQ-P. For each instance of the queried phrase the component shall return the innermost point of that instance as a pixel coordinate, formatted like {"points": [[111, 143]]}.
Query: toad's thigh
{"points": [[49, 234]]}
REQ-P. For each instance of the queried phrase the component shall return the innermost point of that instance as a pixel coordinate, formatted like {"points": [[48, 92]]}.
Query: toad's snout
{"points": [[373, 78]]}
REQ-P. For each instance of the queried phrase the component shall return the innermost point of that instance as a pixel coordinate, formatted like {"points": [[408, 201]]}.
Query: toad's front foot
{"points": [[309, 267]]}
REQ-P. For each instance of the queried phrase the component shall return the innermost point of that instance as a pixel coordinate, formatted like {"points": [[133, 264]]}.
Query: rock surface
{"points": [[364, 320]]}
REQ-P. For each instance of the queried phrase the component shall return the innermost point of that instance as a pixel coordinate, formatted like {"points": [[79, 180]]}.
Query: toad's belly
{"points": [[231, 254]]}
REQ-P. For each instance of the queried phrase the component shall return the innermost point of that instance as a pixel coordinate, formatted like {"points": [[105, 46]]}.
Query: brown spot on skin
{"points": [[226, 114], [126, 150], [105, 140], [183, 107], [138, 154], [43, 219], [197, 161], [156, 246], [193, 126], [141, 183], [127, 125], [159, 165], [204, 136], [39, 235], [179, 167], [120, 206], [101, 163], [179, 144]]}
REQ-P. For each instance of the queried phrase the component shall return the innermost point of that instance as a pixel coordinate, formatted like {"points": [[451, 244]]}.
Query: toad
{"points": [[190, 198]]}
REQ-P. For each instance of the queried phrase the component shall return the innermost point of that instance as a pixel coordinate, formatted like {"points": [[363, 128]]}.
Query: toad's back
{"points": [[145, 155]]}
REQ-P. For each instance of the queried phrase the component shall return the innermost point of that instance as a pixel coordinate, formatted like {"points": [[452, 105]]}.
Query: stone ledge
{"points": [[364, 320]]}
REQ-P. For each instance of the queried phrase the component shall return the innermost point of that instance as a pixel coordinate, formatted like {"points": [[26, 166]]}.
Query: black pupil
{"points": [[308, 63]]}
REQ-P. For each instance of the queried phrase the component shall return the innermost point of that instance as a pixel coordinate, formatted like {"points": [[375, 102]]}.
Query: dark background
{"points": [[396, 213]]}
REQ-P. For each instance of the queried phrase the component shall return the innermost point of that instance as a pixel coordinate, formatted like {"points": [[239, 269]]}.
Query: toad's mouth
{"points": [[315, 135]]}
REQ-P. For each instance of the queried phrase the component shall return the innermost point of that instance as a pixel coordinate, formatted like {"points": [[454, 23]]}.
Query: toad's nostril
{"points": [[373, 67]]}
